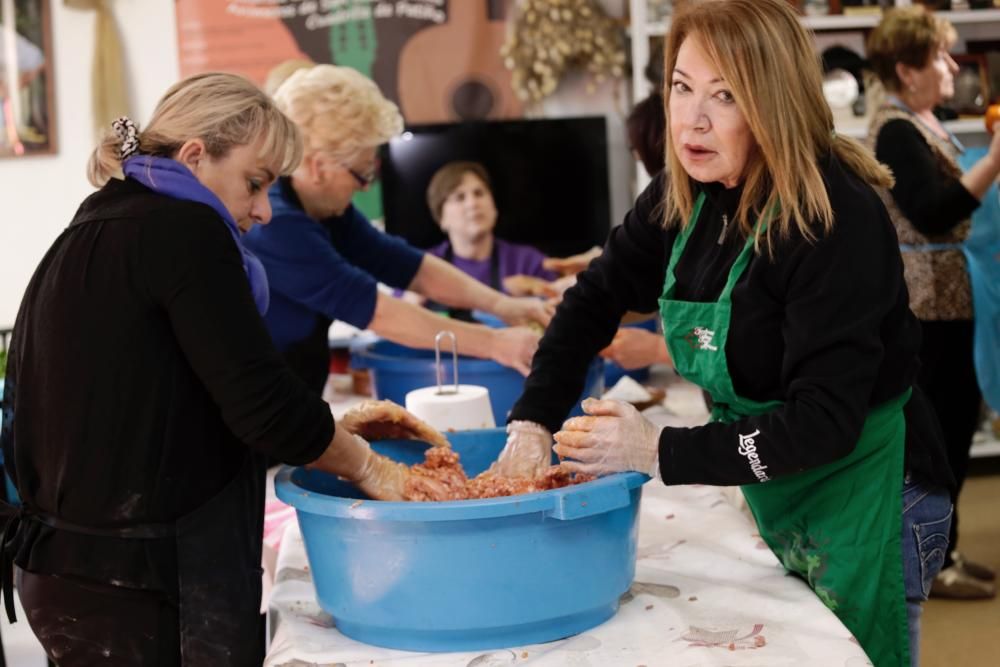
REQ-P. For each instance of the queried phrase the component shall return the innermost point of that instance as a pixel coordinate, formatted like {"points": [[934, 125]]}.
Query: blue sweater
{"points": [[320, 271]]}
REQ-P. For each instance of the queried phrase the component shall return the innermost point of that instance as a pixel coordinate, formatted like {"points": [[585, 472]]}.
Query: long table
{"points": [[707, 591]]}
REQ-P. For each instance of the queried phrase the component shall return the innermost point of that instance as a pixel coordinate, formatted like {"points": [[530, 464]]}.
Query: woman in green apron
{"points": [[780, 286]]}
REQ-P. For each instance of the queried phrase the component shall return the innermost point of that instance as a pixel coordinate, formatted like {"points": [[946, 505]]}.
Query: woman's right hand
{"points": [[350, 457], [514, 347], [527, 453]]}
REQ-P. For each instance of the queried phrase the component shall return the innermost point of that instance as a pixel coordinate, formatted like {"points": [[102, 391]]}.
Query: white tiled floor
{"points": [[19, 644]]}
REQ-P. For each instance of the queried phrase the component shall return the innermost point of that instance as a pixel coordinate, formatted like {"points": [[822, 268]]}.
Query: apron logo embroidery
{"points": [[748, 449], [700, 338]]}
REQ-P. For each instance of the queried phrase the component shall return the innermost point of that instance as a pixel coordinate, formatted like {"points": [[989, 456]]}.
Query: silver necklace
{"points": [[725, 228]]}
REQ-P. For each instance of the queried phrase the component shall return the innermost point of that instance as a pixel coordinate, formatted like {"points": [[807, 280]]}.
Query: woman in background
{"points": [[930, 206]]}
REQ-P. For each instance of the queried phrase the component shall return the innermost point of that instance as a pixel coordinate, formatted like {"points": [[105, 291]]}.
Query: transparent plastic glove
{"points": [[514, 347], [528, 451], [612, 437], [350, 457], [382, 478], [524, 310]]}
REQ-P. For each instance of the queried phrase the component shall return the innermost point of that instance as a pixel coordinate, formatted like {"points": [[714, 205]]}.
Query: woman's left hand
{"points": [[614, 437], [514, 347], [524, 310]]}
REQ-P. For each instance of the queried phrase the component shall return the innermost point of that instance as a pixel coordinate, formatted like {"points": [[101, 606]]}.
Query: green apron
{"points": [[837, 526]]}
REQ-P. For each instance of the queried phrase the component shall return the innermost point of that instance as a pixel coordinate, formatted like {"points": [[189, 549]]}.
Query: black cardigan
{"points": [[823, 326], [932, 200], [140, 371]]}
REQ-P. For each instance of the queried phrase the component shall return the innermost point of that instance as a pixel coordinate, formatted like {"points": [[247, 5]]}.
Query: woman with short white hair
{"points": [[325, 259]]}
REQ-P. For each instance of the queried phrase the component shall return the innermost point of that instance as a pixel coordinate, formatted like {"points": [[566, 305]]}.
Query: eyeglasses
{"points": [[364, 180]]}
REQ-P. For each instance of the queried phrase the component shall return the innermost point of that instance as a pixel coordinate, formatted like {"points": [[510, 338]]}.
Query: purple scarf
{"points": [[171, 178]]}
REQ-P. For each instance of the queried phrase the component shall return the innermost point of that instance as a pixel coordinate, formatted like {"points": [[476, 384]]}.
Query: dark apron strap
{"points": [[218, 550], [219, 574], [464, 314], [14, 517]]}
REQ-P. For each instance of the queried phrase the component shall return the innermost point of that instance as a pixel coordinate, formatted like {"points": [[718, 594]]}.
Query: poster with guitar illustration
{"points": [[439, 60]]}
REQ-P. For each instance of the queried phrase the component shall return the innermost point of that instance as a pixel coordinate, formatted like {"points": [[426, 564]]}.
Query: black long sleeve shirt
{"points": [[932, 200], [822, 326], [140, 372]]}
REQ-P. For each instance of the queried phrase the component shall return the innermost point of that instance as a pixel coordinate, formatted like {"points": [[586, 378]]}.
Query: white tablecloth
{"points": [[707, 591]]}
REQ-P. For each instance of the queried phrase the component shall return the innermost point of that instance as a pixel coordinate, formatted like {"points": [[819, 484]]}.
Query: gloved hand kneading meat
{"points": [[385, 420], [612, 437], [440, 476]]}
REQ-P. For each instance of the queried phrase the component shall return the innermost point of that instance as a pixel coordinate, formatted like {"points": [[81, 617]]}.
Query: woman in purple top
{"points": [[461, 201]]}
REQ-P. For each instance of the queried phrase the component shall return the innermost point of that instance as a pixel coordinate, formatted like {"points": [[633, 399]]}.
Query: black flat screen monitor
{"points": [[549, 177]]}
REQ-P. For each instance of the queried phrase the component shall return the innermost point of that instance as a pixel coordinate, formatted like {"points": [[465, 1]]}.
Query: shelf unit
{"points": [[641, 30], [984, 448], [858, 128], [853, 22]]}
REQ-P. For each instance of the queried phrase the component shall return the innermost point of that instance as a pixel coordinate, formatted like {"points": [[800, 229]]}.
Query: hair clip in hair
{"points": [[128, 134]]}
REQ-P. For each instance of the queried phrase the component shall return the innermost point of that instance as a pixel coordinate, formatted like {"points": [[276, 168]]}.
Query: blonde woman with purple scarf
{"points": [[144, 396]]}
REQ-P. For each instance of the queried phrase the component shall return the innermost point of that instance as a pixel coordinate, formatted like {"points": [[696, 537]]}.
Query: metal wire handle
{"points": [[438, 370]]}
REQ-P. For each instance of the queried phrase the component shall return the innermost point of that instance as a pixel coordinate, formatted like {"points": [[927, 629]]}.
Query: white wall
{"points": [[38, 195]]}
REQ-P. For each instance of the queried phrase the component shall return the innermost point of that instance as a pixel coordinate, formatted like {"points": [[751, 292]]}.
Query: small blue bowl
{"points": [[466, 575], [396, 370]]}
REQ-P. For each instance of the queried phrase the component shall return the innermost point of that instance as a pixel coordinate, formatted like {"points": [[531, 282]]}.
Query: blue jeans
{"points": [[926, 521]]}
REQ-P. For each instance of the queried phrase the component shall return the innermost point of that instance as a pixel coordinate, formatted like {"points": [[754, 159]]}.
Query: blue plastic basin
{"points": [[466, 575], [396, 370]]}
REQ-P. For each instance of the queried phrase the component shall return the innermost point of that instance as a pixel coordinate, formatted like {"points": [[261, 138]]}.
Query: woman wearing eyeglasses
{"points": [[324, 259]]}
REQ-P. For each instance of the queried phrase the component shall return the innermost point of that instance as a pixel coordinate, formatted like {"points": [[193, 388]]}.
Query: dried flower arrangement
{"points": [[549, 37]]}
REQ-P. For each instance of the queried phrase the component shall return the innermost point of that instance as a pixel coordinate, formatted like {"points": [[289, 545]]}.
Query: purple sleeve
{"points": [[517, 259]]}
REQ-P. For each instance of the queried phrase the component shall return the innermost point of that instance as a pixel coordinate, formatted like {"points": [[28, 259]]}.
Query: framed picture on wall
{"points": [[972, 86], [27, 108]]}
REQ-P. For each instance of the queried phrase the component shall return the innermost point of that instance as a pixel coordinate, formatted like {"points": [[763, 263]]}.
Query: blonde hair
{"points": [[223, 110], [907, 35], [768, 62], [339, 111], [280, 73]]}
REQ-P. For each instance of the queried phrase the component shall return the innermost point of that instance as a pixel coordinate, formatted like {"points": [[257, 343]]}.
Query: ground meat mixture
{"points": [[441, 477]]}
